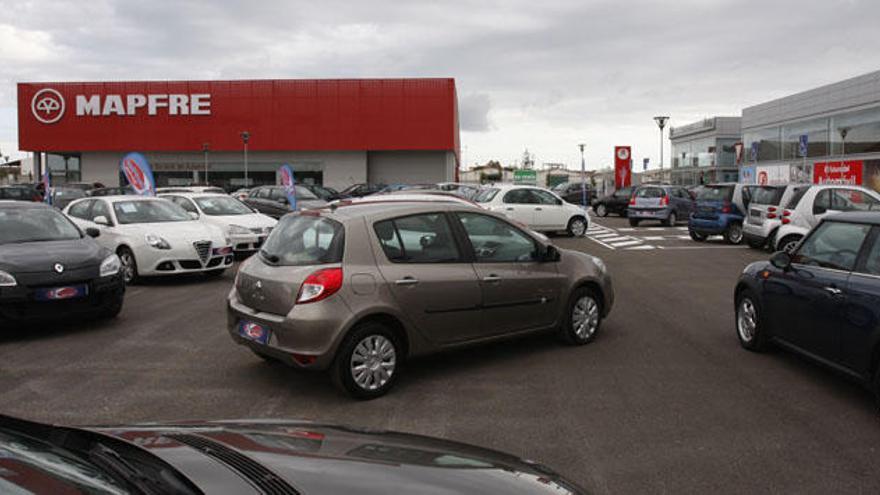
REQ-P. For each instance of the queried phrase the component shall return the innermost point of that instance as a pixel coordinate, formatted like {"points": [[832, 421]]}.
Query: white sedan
{"points": [[246, 228], [539, 209], [153, 236]]}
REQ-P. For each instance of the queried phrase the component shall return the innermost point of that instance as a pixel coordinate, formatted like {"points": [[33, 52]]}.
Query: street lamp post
{"points": [[245, 137], [661, 123], [205, 148], [583, 177], [843, 132]]}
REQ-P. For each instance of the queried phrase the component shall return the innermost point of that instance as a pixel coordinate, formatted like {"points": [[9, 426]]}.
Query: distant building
{"points": [[704, 152], [839, 124]]}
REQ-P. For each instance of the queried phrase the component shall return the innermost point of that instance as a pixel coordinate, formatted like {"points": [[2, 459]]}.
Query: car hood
{"points": [[36, 257], [181, 232], [251, 220], [316, 458]]}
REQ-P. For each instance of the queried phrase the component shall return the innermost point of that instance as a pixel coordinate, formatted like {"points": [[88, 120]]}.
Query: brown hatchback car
{"points": [[358, 288]]}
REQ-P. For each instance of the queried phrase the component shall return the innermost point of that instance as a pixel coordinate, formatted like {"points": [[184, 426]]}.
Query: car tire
{"points": [[364, 344], [112, 308], [633, 222], [734, 233], [577, 227], [698, 236], [601, 210], [671, 220], [875, 387], [747, 318], [583, 317], [129, 265], [789, 243]]}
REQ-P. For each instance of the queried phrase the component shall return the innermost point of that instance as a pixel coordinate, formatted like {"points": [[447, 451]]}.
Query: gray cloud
{"points": [[542, 76]]}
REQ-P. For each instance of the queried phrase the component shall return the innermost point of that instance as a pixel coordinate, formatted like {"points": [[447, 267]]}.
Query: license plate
{"points": [[254, 331], [62, 293]]}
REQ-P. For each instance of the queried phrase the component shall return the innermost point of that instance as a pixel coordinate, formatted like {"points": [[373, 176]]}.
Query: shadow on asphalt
{"points": [[26, 331]]}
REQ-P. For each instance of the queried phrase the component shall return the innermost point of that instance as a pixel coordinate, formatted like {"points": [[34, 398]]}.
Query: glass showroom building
{"points": [[827, 134], [703, 152]]}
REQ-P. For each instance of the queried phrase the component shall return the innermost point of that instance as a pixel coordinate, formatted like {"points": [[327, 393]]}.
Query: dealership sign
{"points": [[622, 166], [844, 173], [122, 105]]}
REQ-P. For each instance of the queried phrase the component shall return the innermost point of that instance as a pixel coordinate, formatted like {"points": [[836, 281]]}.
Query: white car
{"points": [[246, 228], [190, 189], [153, 236], [805, 210], [764, 213], [538, 208]]}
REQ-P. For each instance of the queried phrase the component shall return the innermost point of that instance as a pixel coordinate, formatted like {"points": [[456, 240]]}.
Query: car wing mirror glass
{"points": [[93, 232], [101, 220], [781, 260]]}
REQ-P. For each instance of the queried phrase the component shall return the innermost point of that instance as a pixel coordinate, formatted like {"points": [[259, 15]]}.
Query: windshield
{"points": [[35, 224], [715, 193], [304, 240], [303, 193], [149, 211], [767, 195], [650, 192], [486, 195], [222, 205]]}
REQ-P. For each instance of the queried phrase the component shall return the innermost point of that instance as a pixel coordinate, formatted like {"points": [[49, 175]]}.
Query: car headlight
{"points": [[238, 230], [7, 280], [600, 264], [110, 266], [157, 242]]}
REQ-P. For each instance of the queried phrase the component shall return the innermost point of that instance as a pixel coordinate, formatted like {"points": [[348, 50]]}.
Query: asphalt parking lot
{"points": [[664, 401]]}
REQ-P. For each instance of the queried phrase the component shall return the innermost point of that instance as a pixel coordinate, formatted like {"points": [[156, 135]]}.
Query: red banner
{"points": [[845, 173], [622, 166]]}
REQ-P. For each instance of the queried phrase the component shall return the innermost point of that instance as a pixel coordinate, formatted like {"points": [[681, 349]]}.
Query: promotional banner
{"points": [[738, 151], [772, 175], [47, 186], [622, 167], [747, 175], [844, 173], [285, 173], [138, 173]]}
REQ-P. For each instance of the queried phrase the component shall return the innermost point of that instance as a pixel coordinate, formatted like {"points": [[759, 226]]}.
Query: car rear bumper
{"points": [[20, 304], [307, 337], [712, 226], [648, 213]]}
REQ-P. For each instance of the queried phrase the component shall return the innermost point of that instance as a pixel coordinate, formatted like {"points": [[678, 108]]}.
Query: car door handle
{"points": [[406, 281], [492, 278], [509, 209], [538, 209], [834, 291]]}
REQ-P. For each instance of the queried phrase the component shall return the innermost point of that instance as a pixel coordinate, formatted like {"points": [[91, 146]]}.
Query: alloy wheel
{"points": [[373, 362], [746, 320], [585, 317], [735, 233], [127, 266], [601, 211], [578, 227]]}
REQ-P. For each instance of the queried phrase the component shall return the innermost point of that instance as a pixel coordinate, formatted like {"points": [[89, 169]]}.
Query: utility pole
{"points": [[245, 137], [583, 177], [205, 148], [661, 123]]}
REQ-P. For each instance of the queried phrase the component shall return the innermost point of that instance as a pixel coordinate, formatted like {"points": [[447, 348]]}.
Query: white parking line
{"points": [[626, 243], [615, 238], [653, 238], [643, 247]]}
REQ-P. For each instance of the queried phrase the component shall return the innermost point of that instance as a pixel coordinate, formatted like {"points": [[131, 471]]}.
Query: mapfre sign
{"points": [[279, 115]]}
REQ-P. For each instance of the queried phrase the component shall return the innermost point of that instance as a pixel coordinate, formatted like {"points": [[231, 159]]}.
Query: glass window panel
{"points": [[817, 138], [833, 245], [862, 132]]}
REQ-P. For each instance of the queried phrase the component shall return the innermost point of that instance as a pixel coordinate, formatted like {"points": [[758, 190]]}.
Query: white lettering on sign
{"points": [[176, 104]]}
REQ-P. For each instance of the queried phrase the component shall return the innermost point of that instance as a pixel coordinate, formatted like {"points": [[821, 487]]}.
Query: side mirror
{"points": [[283, 201], [193, 215], [93, 232], [101, 220], [781, 260], [551, 253]]}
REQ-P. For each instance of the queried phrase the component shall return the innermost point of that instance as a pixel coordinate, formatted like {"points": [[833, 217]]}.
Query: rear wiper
{"points": [[271, 258]]}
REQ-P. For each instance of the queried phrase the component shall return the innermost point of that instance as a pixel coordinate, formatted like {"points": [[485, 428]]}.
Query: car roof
{"points": [[21, 205], [869, 217], [195, 194], [125, 197], [376, 210]]}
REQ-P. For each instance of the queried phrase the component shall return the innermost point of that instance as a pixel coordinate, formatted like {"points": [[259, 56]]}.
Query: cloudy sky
{"points": [[541, 75]]}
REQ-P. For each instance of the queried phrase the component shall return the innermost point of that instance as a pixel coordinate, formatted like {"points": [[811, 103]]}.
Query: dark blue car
{"points": [[720, 210], [821, 301]]}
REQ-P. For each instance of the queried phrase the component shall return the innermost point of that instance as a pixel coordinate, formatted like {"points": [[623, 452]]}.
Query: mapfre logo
{"points": [[47, 105]]}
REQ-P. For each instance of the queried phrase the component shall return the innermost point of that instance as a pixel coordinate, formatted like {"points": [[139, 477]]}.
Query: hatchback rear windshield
{"points": [[486, 195], [767, 195], [715, 193], [650, 192], [304, 240]]}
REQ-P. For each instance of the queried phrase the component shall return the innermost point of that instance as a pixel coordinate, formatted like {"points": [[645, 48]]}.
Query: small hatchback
{"points": [[665, 203], [720, 210], [359, 288]]}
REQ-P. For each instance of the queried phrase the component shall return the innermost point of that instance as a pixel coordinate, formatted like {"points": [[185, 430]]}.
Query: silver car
{"points": [[357, 289]]}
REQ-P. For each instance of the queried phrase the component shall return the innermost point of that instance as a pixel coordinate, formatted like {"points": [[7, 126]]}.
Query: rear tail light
{"points": [[786, 213], [786, 217], [772, 209], [726, 208], [632, 201], [320, 285], [664, 201], [771, 215]]}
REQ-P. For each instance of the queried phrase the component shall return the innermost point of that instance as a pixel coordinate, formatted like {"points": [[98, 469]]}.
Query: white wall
{"points": [[340, 168], [392, 167]]}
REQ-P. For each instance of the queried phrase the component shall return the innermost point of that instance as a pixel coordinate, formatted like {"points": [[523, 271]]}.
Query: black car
{"points": [[272, 200], [573, 192], [20, 193], [360, 190], [821, 301], [616, 202], [279, 457], [63, 196], [325, 193], [50, 269]]}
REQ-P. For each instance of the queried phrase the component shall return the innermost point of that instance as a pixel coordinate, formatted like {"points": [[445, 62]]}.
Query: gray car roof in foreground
{"points": [[21, 205], [382, 209]]}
